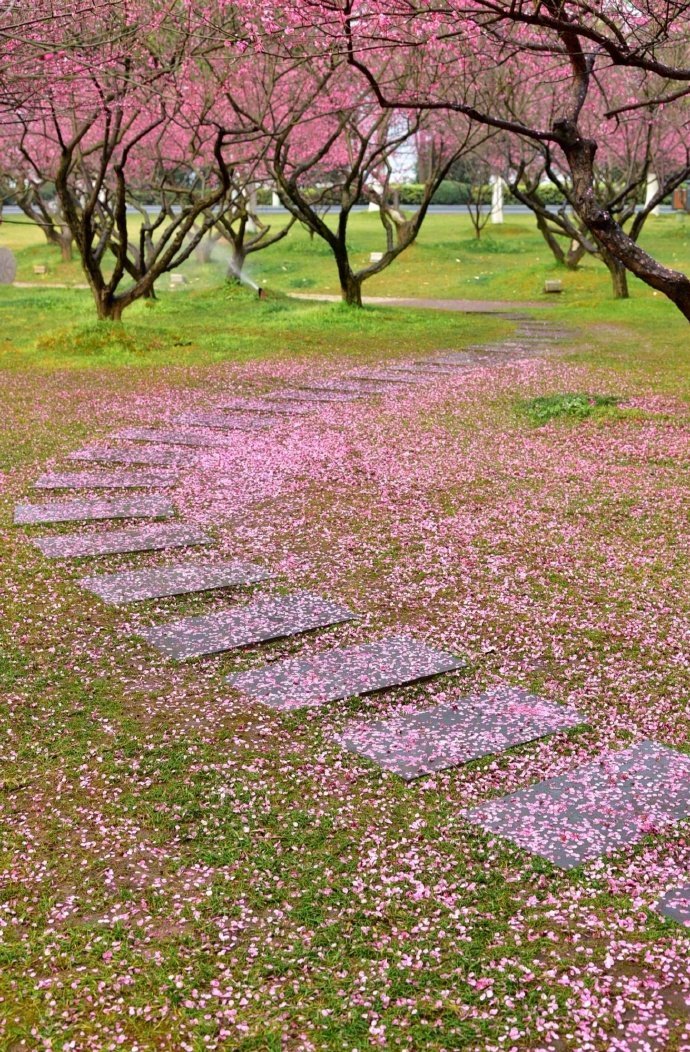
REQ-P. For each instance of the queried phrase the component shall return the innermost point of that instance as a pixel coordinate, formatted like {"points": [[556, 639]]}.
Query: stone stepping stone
{"points": [[129, 455], [116, 542], [134, 585], [93, 510], [600, 807], [257, 622], [427, 370], [226, 421], [453, 362], [419, 743], [675, 904], [387, 376], [343, 673], [323, 395], [171, 437], [265, 407], [350, 387], [106, 480], [432, 367]]}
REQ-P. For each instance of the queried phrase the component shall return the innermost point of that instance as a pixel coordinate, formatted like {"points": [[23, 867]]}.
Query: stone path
{"points": [[591, 811]]}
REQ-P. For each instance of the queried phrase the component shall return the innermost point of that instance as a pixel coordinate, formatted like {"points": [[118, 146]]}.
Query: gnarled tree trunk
{"points": [[609, 235]]}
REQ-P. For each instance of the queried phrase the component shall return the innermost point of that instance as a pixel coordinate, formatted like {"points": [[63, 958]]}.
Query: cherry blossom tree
{"points": [[330, 146], [125, 129], [559, 47], [645, 145]]}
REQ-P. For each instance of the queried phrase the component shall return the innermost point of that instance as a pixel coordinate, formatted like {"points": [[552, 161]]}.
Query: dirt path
{"points": [[464, 306]]}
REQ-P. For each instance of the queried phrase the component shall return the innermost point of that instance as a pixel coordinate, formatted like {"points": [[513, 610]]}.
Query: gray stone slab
{"points": [[93, 510], [172, 436], [226, 421], [257, 622], [413, 744], [600, 807], [307, 395], [344, 672], [443, 369], [386, 376], [352, 387], [134, 454], [114, 542], [158, 581], [264, 406], [106, 480], [426, 370], [675, 904], [456, 358]]}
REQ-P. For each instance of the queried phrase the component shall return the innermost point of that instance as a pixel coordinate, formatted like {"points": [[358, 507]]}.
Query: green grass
{"points": [[545, 408], [255, 825], [511, 261]]}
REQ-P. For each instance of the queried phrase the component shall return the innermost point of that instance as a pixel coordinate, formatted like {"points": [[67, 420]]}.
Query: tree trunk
{"points": [[108, 308], [236, 264], [550, 239], [619, 275], [575, 253], [65, 242], [351, 290], [609, 235], [204, 251], [350, 284]]}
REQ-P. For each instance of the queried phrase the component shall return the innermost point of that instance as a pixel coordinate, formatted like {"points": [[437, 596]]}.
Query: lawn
{"points": [[183, 869]]}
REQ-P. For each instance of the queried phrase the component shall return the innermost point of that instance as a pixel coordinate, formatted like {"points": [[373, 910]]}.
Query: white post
{"points": [[652, 190], [496, 215], [275, 200]]}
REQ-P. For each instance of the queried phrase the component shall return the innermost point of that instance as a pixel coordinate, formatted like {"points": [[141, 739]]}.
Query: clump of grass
{"points": [[569, 406], [106, 339]]}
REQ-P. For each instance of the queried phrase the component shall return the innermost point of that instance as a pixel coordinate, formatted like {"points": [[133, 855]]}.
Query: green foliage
{"points": [[570, 406], [450, 192], [548, 194]]}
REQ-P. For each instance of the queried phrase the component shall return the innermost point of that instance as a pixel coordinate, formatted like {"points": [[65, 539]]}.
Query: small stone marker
{"points": [[418, 743], [93, 510], [297, 395], [172, 437], [134, 454], [603, 806], [257, 622], [553, 285], [8, 267], [107, 480], [156, 582], [675, 904], [226, 421], [375, 257], [40, 269], [116, 542], [177, 281], [343, 673]]}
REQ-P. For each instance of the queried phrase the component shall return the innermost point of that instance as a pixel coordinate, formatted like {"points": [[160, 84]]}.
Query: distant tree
{"points": [[330, 147], [558, 48]]}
